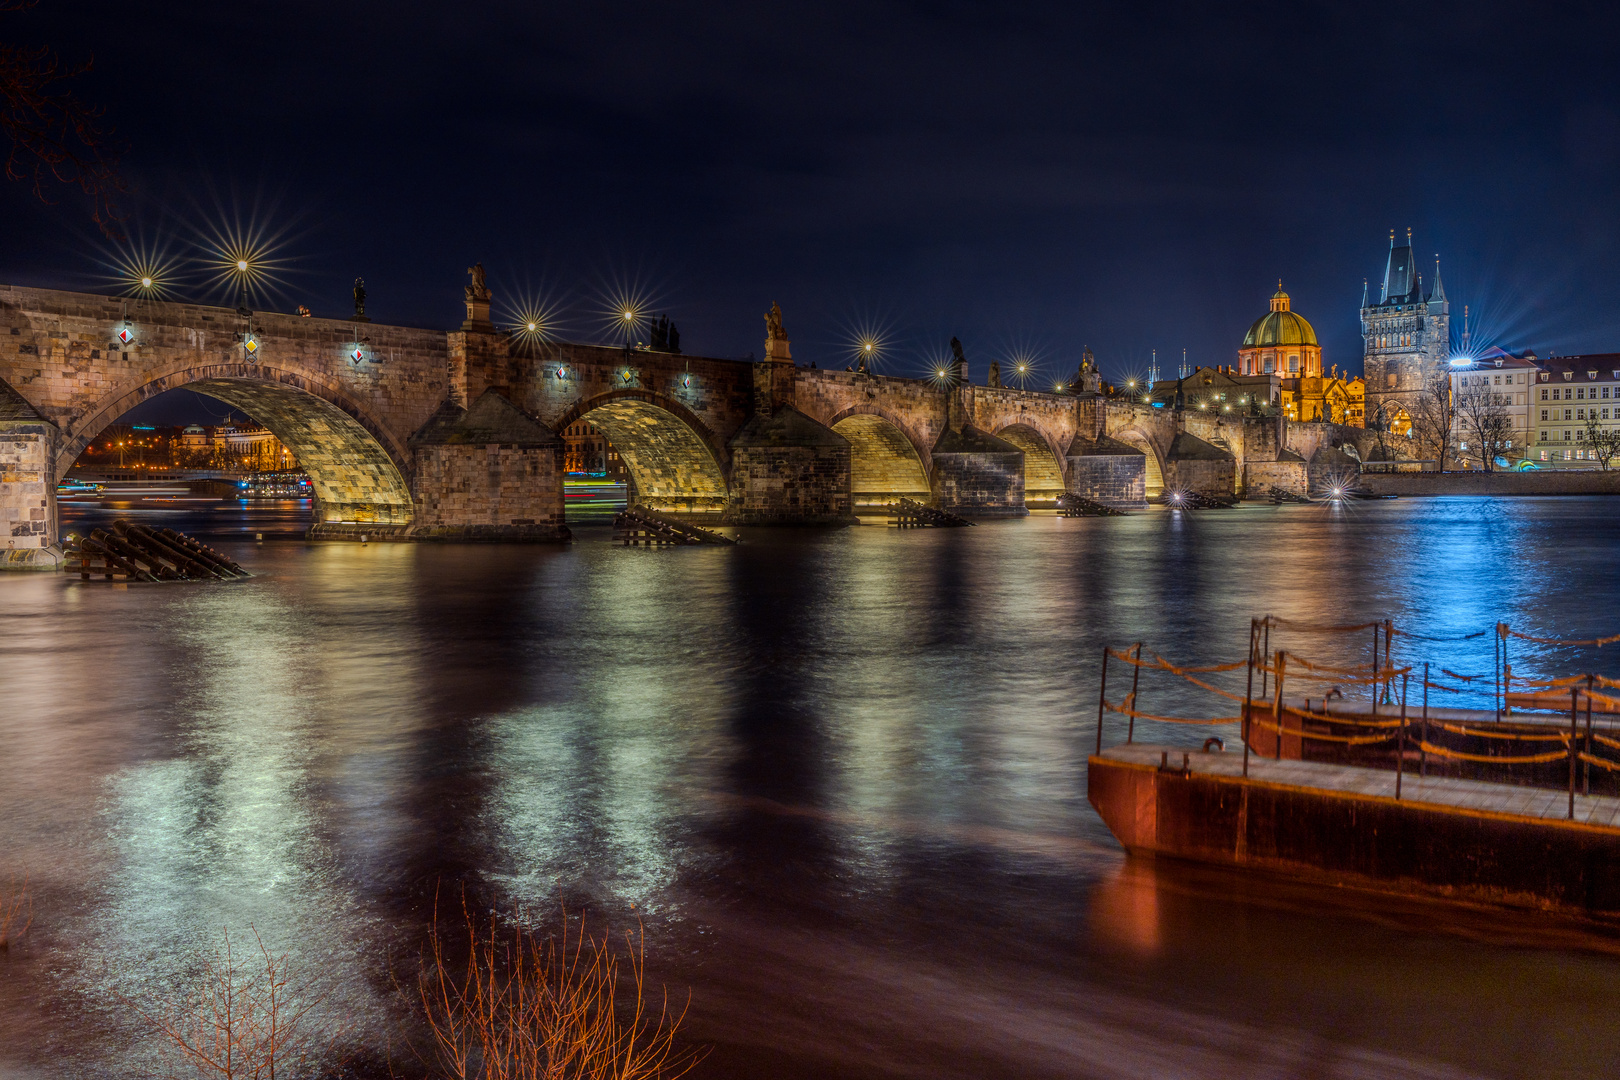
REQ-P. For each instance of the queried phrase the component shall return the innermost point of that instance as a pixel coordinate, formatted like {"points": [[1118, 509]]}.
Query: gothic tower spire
{"points": [[1439, 286]]}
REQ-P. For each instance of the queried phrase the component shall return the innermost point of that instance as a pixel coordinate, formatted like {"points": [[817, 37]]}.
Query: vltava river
{"points": [[840, 775]]}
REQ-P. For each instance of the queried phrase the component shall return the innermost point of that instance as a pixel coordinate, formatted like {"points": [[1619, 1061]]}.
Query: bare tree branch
{"points": [[54, 136]]}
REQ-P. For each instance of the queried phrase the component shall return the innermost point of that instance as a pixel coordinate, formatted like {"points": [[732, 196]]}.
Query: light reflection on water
{"points": [[842, 774]]}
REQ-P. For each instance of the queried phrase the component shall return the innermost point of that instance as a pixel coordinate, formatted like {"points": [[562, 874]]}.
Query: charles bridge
{"points": [[421, 434]]}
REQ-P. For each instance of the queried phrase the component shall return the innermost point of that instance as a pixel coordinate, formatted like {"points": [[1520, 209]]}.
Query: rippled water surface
{"points": [[840, 775]]}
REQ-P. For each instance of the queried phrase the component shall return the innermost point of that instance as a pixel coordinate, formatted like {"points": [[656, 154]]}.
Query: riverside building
{"points": [[1569, 391]]}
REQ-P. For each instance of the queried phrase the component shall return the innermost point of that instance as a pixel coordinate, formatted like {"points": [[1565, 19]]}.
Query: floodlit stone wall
{"points": [[27, 508], [494, 492]]}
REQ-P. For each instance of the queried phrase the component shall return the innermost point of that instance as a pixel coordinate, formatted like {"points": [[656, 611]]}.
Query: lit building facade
{"points": [[1281, 347], [1567, 392], [1406, 339], [1510, 382]]}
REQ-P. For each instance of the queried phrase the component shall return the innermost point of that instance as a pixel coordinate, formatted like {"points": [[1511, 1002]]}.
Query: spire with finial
{"points": [[1439, 286], [1363, 292]]}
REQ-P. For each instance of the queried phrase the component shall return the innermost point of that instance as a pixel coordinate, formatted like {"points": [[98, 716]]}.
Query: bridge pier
{"points": [[28, 522]]}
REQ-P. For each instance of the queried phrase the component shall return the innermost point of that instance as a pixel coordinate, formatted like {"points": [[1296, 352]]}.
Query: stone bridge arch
{"points": [[1043, 463], [886, 462], [675, 461], [358, 468], [1133, 436]]}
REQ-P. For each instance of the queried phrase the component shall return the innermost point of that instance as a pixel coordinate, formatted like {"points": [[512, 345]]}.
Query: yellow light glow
{"points": [[533, 327], [241, 266], [146, 283]]}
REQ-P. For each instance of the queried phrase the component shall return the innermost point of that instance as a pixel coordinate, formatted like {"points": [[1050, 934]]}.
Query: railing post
{"points": [[1574, 721], [1276, 712], [1248, 699], [1136, 678], [1423, 753], [1102, 698], [1400, 742], [1265, 651], [1389, 663], [1586, 766], [1375, 670]]}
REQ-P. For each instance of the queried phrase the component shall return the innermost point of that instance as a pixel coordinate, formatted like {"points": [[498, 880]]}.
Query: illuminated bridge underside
{"points": [[672, 466], [883, 465], [353, 476], [1043, 476], [1155, 474]]}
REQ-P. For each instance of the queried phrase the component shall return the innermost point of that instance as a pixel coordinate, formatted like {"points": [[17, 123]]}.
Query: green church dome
{"points": [[1279, 326]]}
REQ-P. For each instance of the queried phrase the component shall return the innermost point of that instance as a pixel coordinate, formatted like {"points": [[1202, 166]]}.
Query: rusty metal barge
{"points": [[1359, 778]]}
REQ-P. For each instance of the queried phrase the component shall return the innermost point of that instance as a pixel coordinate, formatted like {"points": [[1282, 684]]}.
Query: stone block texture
{"points": [[978, 475], [788, 469]]}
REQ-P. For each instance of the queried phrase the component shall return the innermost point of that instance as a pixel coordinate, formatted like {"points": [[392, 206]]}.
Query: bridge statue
{"points": [[478, 291], [776, 340], [360, 300], [995, 374]]}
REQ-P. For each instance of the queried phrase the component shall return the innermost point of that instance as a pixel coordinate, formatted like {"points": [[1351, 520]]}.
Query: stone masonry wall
{"points": [[1116, 480], [1259, 477], [980, 484], [790, 484], [495, 491], [27, 508], [1204, 477]]}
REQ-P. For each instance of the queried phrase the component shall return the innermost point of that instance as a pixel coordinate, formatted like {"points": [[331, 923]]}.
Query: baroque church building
{"points": [[1406, 339]]}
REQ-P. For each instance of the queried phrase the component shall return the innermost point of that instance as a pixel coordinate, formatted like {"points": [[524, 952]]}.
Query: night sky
{"points": [[1026, 177]]}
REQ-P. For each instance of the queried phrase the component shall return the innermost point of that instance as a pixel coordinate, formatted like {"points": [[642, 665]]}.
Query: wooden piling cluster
{"points": [[133, 552], [910, 514], [639, 526], [1072, 505], [1281, 495]]}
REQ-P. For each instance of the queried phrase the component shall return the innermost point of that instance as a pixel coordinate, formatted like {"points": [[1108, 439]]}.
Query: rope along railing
{"points": [[1266, 711]]}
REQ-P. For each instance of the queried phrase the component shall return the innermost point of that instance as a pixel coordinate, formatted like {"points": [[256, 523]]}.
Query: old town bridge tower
{"points": [[1406, 338]]}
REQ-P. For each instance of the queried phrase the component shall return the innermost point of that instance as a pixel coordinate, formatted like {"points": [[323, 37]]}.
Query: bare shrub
{"points": [[16, 912], [247, 1014], [525, 1007]]}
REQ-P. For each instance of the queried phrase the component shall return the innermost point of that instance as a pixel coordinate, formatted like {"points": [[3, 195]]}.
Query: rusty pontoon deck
{"points": [[1491, 842]]}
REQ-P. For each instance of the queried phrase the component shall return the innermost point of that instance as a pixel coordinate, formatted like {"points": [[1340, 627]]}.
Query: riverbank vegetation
{"points": [[491, 999]]}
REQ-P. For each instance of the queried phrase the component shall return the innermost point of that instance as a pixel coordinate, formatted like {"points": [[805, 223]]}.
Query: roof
{"points": [[970, 440], [787, 427], [1580, 368], [1189, 447], [1503, 362], [1279, 326], [491, 420], [13, 406]]}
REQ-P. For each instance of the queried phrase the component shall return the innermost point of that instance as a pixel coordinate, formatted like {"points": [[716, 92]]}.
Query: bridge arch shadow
{"points": [[884, 462], [358, 469], [674, 460], [1043, 467], [1155, 464]]}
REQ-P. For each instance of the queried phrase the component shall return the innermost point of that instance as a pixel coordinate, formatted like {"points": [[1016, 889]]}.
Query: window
{"points": [[1543, 396], [1567, 417], [1581, 393], [1544, 453], [1543, 439], [1496, 380], [1544, 414], [1293, 363], [1270, 365], [1605, 412], [1566, 439]]}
